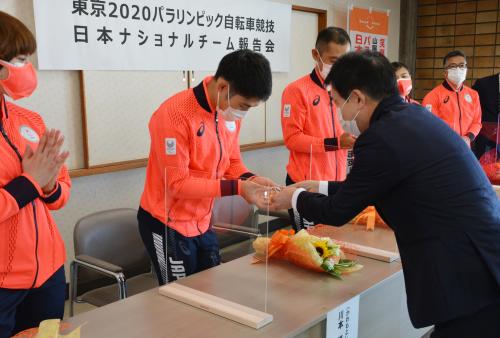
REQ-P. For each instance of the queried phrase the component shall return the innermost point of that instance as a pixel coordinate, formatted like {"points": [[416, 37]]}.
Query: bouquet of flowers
{"points": [[320, 254]]}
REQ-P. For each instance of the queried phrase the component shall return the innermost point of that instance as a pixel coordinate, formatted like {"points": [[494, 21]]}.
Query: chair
{"points": [[108, 244], [236, 224]]}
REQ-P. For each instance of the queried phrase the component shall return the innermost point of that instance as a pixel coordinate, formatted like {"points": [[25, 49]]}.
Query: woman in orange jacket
{"points": [[33, 181], [405, 84]]}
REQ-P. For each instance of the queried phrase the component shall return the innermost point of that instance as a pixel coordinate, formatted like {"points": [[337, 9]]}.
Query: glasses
{"points": [[455, 66]]}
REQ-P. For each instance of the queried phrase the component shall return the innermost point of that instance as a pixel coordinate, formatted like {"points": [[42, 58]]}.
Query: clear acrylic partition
{"points": [[240, 278], [490, 160], [322, 230]]}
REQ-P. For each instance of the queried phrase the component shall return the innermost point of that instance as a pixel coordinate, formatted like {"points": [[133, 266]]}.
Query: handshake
{"points": [[264, 193]]}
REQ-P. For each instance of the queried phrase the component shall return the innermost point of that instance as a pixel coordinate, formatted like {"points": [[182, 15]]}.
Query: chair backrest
{"points": [[113, 236], [233, 210]]}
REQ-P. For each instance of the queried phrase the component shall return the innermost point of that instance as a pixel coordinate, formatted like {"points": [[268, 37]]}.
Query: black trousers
{"points": [[175, 256], [25, 309], [483, 324]]}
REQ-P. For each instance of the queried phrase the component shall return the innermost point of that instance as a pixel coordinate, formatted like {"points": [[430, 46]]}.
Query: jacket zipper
{"points": [[36, 244], [220, 144], [460, 113], [220, 154], [6, 137]]}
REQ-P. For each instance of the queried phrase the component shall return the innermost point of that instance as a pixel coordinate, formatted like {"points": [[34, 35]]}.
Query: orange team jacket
{"points": [[309, 122], [31, 247], [194, 158], [461, 109]]}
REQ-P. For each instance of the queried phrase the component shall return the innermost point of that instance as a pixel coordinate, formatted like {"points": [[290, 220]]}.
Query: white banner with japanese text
{"points": [[158, 34]]}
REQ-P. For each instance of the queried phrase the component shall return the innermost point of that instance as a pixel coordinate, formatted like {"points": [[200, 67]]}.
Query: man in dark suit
{"points": [[489, 95], [428, 187]]}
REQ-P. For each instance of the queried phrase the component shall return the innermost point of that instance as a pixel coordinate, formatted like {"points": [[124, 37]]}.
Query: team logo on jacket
{"points": [[29, 134], [231, 126], [468, 98], [287, 110], [446, 99], [316, 101], [429, 107], [201, 130], [171, 146]]}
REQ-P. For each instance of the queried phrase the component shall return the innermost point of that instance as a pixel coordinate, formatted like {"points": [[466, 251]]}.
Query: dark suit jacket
{"points": [[489, 95], [429, 188]]}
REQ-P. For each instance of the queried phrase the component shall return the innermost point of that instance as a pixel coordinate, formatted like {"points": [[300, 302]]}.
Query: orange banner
{"points": [[369, 29], [361, 20]]}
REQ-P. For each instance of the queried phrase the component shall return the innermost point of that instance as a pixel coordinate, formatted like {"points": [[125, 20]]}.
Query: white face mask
{"points": [[457, 76], [230, 113], [349, 126], [326, 67]]}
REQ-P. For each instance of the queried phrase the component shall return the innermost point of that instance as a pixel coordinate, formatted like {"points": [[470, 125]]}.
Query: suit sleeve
{"points": [[476, 125], [170, 144], [478, 86], [293, 116], [369, 179]]}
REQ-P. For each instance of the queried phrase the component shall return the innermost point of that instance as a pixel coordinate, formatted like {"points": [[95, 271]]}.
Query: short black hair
{"points": [[367, 71], [336, 35], [248, 74], [453, 54], [396, 65]]}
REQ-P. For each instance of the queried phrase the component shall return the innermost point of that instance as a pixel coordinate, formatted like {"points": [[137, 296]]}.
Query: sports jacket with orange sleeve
{"points": [[311, 130], [194, 158], [31, 247], [461, 109]]}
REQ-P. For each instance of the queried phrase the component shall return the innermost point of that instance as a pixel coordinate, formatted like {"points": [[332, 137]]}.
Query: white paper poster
{"points": [[158, 34]]}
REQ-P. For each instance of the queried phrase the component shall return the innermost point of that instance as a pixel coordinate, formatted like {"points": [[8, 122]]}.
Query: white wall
{"points": [[123, 189]]}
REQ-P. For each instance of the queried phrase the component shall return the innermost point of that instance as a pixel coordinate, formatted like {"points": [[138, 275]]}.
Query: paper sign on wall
{"points": [[343, 321], [369, 29], [158, 34]]}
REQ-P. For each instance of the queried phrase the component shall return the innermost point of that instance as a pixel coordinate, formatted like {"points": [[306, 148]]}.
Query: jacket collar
{"points": [[317, 79], [201, 95], [448, 86], [385, 106]]}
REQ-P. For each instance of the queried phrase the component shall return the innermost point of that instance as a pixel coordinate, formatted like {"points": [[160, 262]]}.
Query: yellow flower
{"points": [[323, 249]]}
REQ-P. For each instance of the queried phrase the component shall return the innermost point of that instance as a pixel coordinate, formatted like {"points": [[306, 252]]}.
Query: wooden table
{"points": [[298, 299]]}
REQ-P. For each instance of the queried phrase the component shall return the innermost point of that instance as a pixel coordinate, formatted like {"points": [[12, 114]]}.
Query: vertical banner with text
{"points": [[369, 29]]}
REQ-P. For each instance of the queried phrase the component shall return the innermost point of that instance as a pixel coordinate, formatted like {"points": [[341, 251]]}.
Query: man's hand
{"points": [[256, 194], [311, 186], [466, 140], [267, 182], [347, 141], [282, 200]]}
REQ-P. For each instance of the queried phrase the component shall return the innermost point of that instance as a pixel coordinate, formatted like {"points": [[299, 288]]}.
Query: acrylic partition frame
{"points": [[236, 225]]}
